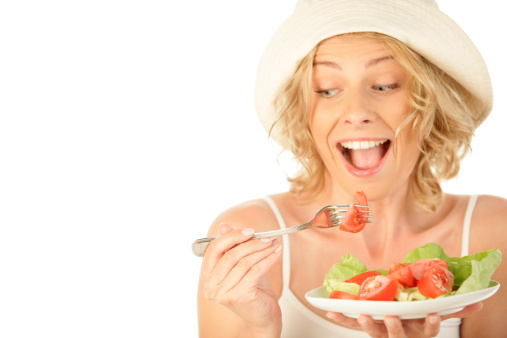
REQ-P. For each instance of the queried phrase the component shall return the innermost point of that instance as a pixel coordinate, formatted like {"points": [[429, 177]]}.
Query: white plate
{"points": [[404, 310]]}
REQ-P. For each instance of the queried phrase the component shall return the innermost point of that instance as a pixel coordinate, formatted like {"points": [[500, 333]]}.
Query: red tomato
{"points": [[418, 267], [378, 288], [352, 221], [436, 281], [359, 279], [343, 295], [402, 273]]}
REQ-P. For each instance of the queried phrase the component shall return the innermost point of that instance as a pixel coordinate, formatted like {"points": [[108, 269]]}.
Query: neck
{"points": [[396, 215]]}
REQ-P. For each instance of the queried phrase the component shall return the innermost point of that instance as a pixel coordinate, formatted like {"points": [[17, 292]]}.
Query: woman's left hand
{"points": [[393, 327]]}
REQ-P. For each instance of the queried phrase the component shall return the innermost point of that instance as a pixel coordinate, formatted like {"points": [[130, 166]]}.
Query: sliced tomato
{"points": [[397, 266], [419, 267], [352, 221], [359, 279], [402, 273], [436, 281], [343, 295], [378, 288]]}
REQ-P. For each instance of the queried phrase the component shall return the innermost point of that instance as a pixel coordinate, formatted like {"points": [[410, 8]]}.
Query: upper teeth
{"points": [[361, 144]]}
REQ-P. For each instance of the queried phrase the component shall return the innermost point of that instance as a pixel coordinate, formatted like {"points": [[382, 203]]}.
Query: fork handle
{"points": [[199, 246]]}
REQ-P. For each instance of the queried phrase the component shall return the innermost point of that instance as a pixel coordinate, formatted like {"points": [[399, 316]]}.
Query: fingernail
{"points": [[362, 322], [432, 319], [390, 322], [267, 240], [278, 249], [247, 232]]}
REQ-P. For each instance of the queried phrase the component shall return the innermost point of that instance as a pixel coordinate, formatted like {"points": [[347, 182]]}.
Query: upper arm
{"points": [[489, 231], [214, 318]]}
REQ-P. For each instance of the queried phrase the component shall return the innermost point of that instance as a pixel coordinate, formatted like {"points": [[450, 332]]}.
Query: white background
{"points": [[126, 127]]}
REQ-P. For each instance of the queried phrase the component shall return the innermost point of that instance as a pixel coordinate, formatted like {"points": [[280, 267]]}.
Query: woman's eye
{"points": [[328, 92], [385, 88]]}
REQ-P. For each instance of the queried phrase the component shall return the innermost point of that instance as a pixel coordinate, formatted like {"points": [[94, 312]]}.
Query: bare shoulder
{"points": [[256, 214], [489, 223]]}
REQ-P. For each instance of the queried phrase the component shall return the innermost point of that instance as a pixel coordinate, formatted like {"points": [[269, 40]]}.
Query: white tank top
{"points": [[299, 321]]}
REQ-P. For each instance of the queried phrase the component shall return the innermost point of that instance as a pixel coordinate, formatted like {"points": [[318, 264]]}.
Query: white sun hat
{"points": [[417, 23]]}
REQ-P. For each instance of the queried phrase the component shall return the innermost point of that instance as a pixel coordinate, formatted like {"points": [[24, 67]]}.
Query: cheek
{"points": [[320, 129], [322, 118], [316, 122], [407, 148], [401, 110]]}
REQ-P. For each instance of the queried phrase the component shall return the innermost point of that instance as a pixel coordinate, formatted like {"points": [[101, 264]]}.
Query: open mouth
{"points": [[364, 155]]}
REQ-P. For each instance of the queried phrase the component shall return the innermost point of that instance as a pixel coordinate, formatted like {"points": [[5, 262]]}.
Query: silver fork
{"points": [[334, 214]]}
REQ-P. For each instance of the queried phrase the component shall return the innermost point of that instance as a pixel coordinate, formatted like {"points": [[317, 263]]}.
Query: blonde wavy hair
{"points": [[441, 112]]}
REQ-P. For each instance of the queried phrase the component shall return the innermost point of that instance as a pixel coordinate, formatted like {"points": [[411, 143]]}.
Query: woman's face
{"points": [[359, 99]]}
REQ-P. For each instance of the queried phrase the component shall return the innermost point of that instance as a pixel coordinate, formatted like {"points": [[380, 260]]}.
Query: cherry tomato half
{"points": [[419, 267], [436, 281], [359, 279], [378, 288], [402, 273]]}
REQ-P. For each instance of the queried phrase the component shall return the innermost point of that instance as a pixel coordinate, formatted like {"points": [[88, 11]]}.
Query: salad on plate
{"points": [[425, 273]]}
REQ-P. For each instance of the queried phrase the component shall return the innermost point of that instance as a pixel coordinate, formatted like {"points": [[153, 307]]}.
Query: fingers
{"points": [[394, 327], [242, 279], [374, 329], [343, 320], [467, 311], [232, 258], [227, 239], [391, 326], [432, 325], [247, 262], [262, 265]]}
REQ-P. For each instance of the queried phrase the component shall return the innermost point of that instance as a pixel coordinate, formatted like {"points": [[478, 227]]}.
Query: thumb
{"points": [[224, 228]]}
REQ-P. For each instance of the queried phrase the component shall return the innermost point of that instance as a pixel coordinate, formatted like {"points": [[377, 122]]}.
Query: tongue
{"points": [[366, 158]]}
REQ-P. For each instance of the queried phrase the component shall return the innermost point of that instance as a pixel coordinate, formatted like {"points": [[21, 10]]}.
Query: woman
{"points": [[386, 104]]}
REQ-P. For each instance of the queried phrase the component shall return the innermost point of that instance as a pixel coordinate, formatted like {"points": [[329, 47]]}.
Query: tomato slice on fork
{"points": [[352, 221]]}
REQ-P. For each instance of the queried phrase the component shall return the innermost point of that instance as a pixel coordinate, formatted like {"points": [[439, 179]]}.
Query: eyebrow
{"points": [[376, 61], [370, 63]]}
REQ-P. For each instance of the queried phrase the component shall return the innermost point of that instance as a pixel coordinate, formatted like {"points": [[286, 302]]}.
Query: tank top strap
{"points": [[465, 241], [285, 243]]}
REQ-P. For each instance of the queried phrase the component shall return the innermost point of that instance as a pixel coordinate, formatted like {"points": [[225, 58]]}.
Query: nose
{"points": [[358, 110]]}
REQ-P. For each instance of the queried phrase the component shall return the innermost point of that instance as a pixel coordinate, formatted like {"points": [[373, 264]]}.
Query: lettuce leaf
{"points": [[474, 272], [336, 285], [471, 273], [340, 272], [430, 250]]}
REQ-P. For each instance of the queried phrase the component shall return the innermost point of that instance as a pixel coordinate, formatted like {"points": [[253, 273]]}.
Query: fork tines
{"points": [[337, 214]]}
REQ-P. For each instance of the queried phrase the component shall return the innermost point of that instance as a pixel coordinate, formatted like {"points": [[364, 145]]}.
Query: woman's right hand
{"points": [[234, 274]]}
